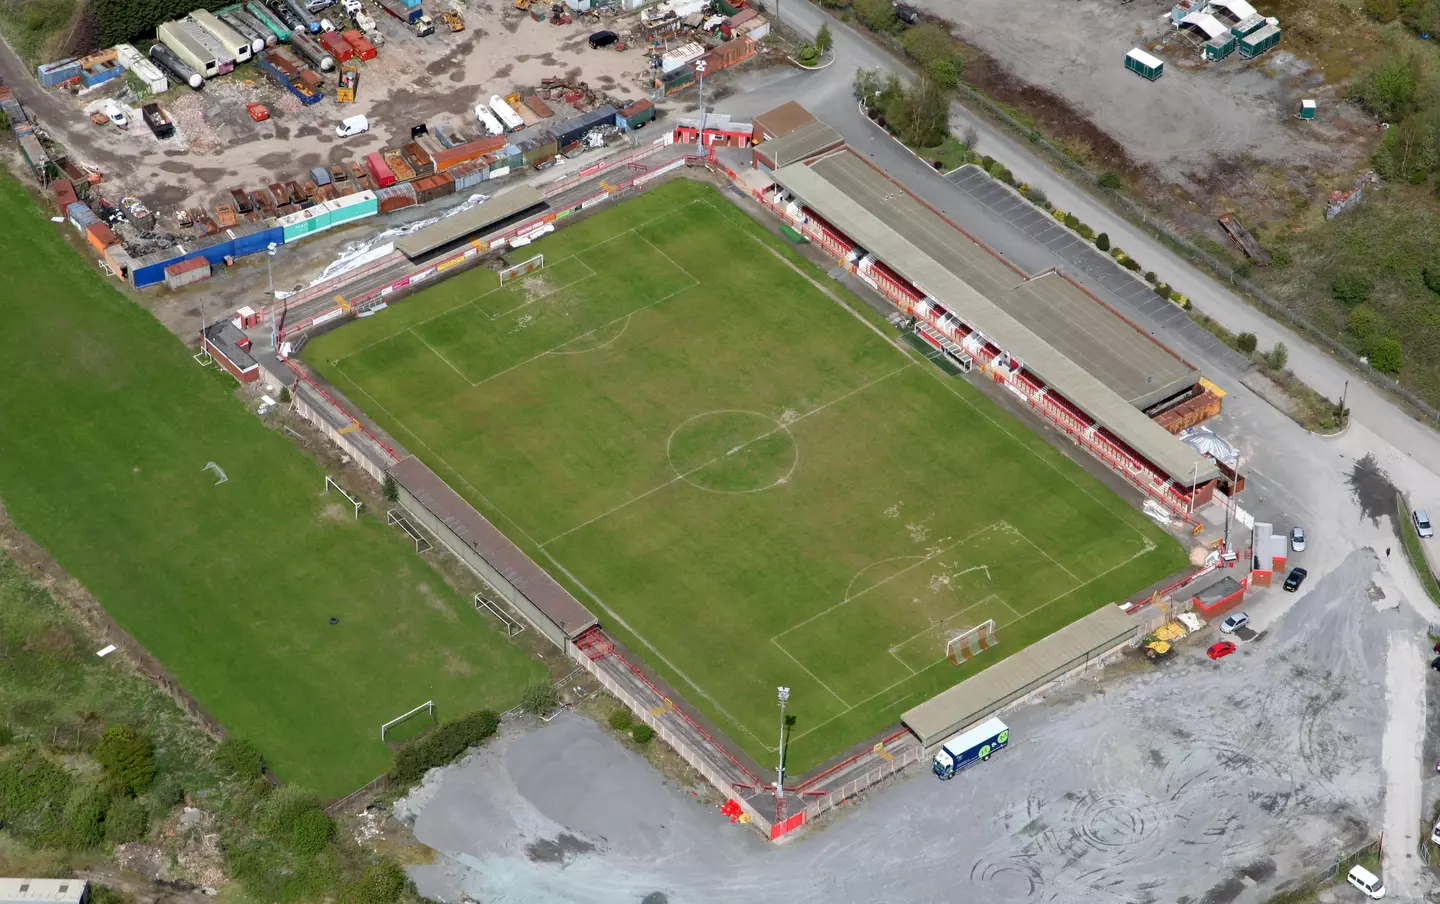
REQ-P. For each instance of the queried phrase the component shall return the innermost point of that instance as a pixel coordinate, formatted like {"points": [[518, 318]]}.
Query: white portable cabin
{"points": [[190, 51], [224, 59], [153, 76], [507, 116], [488, 120], [235, 44]]}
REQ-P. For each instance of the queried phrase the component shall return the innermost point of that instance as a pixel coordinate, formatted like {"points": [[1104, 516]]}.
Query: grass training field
{"points": [[749, 484], [106, 425]]}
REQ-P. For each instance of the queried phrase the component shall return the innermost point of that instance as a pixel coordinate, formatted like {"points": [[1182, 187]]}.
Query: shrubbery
{"points": [[441, 746], [128, 758], [621, 720], [643, 734], [238, 757]]}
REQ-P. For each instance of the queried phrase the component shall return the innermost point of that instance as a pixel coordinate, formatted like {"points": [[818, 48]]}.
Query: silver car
{"points": [[1297, 538], [1234, 623], [1422, 523]]}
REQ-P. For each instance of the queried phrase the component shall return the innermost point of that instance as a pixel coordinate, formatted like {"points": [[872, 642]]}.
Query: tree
{"points": [[1245, 342], [931, 46], [128, 758], [868, 84], [390, 489], [239, 758], [1407, 151], [823, 39], [876, 15], [1389, 87], [1277, 357], [1102, 241], [1351, 288], [1385, 355], [284, 395], [539, 697]]}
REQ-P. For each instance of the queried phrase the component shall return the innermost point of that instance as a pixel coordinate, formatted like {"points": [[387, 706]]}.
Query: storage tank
{"points": [[488, 120], [269, 18], [237, 45], [311, 23], [233, 22], [242, 15], [308, 48], [184, 47], [166, 59]]}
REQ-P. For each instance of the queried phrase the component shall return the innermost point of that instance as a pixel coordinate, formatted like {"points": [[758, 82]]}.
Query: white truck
{"points": [[970, 747]]}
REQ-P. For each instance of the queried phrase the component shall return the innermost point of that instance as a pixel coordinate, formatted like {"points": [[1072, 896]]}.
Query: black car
{"points": [[603, 39], [1295, 579], [907, 14]]}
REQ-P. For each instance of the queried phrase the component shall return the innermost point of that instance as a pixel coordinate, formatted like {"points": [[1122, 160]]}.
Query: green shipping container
{"points": [[1220, 48], [1142, 63], [1256, 43]]}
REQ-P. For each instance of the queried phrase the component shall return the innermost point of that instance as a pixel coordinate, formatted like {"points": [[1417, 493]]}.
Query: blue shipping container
{"points": [[57, 73], [153, 273], [256, 242], [92, 77]]}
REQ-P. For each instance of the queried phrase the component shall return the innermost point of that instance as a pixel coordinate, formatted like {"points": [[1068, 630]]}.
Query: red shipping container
{"points": [[379, 170], [337, 46], [362, 47], [64, 194], [471, 150]]}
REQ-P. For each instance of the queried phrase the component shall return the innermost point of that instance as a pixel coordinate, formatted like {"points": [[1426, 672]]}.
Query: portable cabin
{"points": [[190, 51], [1307, 109], [1257, 42], [237, 45], [1142, 63], [1220, 47]]}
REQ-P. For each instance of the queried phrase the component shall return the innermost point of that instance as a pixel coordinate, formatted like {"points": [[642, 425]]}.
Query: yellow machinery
{"points": [[1157, 649], [349, 83], [452, 18]]}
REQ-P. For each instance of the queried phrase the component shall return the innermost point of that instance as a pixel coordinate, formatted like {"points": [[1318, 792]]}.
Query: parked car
{"points": [[1368, 883], [352, 125], [1220, 650], [1435, 663], [1422, 523], [907, 14], [603, 39], [116, 115], [1295, 579], [1234, 623], [1297, 538]]}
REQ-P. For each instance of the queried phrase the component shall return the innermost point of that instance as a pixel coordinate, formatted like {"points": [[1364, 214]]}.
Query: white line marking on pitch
{"points": [[812, 675], [440, 356]]}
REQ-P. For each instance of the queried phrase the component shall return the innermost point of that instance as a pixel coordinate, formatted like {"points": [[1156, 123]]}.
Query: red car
{"points": [[1217, 650]]}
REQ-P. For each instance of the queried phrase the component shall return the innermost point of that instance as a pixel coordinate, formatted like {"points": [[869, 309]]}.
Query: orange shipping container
{"points": [[471, 150], [64, 194], [99, 236], [363, 48]]}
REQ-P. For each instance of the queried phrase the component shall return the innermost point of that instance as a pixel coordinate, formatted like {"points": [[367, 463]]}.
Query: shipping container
{"points": [[395, 197], [255, 238], [338, 48], [729, 54], [405, 11], [182, 72], [1219, 48], [358, 43], [276, 66], [573, 130], [466, 175], [419, 160], [678, 80], [1142, 63], [196, 269], [99, 236], [187, 49], [80, 216], [680, 56], [537, 148], [320, 176], [53, 75], [539, 107], [432, 188], [470, 150], [64, 194], [100, 72], [635, 115], [397, 164], [379, 170], [357, 206], [149, 73], [1259, 41], [224, 58], [1245, 26]]}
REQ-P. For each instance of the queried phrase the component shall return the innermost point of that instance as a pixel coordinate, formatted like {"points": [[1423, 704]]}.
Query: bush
{"points": [[1351, 288], [1102, 241], [1385, 355], [1072, 221], [85, 819], [1389, 88], [382, 883], [1383, 11], [808, 55], [441, 746], [1280, 257], [1003, 174], [1430, 276], [238, 757], [1178, 298], [7, 735], [1243, 268], [313, 830], [621, 720], [166, 793], [1245, 342], [1086, 232], [128, 758], [1363, 323], [1163, 291], [104, 894], [642, 734], [1037, 197], [876, 15], [1150, 276], [284, 395], [125, 821], [539, 697], [986, 162], [1277, 357], [1131, 264], [931, 46], [1110, 180], [283, 809]]}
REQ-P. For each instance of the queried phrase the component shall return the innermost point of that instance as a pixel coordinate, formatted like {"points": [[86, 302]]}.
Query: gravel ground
{"points": [[1197, 780]]}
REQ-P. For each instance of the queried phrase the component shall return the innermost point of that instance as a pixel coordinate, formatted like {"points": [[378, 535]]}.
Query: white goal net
{"points": [[519, 270], [971, 642]]}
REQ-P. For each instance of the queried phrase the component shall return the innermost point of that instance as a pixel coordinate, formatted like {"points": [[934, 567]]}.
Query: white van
{"points": [[352, 125], [1366, 881]]}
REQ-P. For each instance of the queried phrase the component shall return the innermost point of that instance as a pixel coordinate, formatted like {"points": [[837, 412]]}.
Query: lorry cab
{"points": [[969, 747]]}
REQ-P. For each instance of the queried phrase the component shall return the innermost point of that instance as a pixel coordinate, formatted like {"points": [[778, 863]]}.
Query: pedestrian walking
{"points": [[1387, 552]]}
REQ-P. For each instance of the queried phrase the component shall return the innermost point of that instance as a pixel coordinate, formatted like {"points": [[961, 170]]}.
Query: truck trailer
{"points": [[225, 60], [187, 49], [970, 747], [235, 44]]}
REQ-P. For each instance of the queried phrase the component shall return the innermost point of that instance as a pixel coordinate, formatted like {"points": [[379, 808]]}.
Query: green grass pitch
{"points": [[106, 425], [751, 485]]}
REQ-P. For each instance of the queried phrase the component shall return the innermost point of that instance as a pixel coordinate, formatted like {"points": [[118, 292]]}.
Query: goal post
{"points": [[513, 626], [971, 642], [427, 707], [520, 269]]}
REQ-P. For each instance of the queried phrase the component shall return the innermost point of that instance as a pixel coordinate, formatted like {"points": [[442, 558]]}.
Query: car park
{"points": [[1422, 523], [1295, 579], [1297, 538], [1220, 650], [1235, 623]]}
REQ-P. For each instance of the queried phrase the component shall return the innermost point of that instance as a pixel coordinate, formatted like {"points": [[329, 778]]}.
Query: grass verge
{"points": [[108, 427], [1410, 539]]}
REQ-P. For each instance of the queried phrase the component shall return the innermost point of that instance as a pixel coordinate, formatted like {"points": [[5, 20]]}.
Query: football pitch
{"points": [[749, 484]]}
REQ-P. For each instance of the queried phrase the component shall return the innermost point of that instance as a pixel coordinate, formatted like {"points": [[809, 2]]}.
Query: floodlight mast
{"points": [[784, 695]]}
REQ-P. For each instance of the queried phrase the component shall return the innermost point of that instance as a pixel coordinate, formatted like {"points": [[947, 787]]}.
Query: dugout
{"points": [[495, 214], [1074, 646], [489, 553]]}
